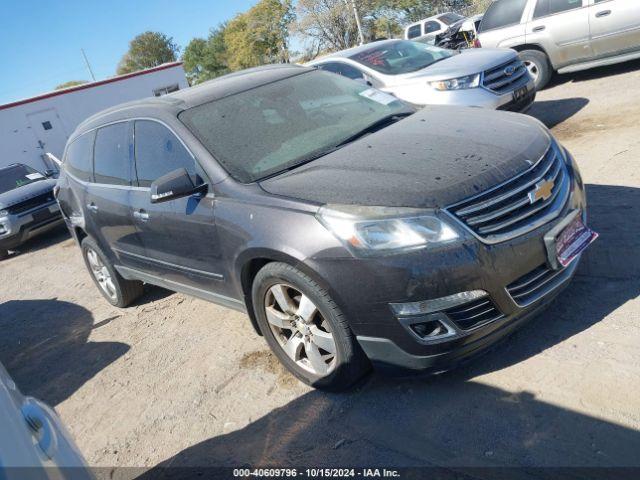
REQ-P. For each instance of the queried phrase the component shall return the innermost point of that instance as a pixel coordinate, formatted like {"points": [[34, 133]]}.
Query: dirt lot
{"points": [[175, 380]]}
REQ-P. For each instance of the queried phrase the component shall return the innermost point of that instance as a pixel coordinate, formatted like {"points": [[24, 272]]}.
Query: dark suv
{"points": [[27, 206], [348, 226]]}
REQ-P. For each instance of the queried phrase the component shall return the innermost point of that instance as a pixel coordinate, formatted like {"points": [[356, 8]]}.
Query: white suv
{"points": [[564, 35]]}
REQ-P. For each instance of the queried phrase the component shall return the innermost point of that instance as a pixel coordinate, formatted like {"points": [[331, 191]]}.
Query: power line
{"points": [[86, 61]]}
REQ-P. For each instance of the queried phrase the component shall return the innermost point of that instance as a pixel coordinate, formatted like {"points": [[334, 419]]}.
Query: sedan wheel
{"points": [[300, 329], [101, 274]]}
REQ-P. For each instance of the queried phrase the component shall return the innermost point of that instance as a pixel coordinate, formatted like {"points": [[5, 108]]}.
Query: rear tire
{"points": [[118, 291], [538, 65], [320, 329], [3, 254]]}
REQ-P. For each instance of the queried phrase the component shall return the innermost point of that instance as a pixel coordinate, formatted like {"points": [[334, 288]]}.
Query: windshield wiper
{"points": [[374, 127]]}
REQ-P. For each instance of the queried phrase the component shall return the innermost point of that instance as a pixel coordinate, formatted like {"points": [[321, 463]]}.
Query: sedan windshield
{"points": [[17, 176], [403, 56], [278, 126], [450, 18]]}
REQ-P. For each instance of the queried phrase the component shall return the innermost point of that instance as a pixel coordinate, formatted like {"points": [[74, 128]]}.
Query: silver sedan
{"points": [[423, 74]]}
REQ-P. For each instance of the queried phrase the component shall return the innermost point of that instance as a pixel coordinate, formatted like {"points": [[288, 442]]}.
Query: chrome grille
{"points": [[509, 210], [505, 77], [474, 314], [538, 283]]}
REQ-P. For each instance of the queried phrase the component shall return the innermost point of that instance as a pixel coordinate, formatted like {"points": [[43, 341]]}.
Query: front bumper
{"points": [[17, 229], [476, 97], [365, 288]]}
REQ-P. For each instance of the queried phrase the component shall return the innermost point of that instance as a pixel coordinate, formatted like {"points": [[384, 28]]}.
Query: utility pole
{"points": [[86, 61], [358, 22]]}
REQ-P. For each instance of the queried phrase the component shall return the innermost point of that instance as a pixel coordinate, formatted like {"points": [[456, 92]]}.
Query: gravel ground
{"points": [[177, 381]]}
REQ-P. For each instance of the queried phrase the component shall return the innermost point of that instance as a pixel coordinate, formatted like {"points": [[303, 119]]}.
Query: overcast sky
{"points": [[40, 40]]}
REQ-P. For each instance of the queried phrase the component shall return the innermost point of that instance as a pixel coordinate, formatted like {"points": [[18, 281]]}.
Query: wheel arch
{"points": [[250, 264], [534, 46]]}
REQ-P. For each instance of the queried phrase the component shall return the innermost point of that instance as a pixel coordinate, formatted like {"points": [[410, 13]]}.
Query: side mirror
{"points": [[176, 184], [50, 173]]}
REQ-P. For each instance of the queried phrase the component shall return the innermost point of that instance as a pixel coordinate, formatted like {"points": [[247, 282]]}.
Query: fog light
{"points": [[432, 328], [437, 304], [3, 229], [429, 328]]}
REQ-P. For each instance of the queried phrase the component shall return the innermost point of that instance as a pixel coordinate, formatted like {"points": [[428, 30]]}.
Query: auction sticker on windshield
{"points": [[378, 96]]}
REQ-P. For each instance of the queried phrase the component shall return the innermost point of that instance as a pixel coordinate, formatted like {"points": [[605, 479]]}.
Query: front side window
{"points": [[79, 161], [402, 56], [503, 13], [430, 27], [158, 152], [16, 176], [276, 127], [112, 155], [550, 7]]}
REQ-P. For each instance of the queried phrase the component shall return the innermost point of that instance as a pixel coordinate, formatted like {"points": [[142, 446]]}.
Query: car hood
{"points": [[21, 194], [434, 158], [467, 62]]}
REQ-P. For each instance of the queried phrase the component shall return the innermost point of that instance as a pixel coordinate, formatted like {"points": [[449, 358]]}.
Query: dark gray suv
{"points": [[349, 227]]}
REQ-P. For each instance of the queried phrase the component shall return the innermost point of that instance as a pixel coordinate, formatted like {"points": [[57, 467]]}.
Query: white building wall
{"points": [[22, 135]]}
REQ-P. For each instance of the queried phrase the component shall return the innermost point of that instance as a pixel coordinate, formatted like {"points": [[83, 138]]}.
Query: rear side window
{"points": [[112, 155], [549, 7], [343, 69], [158, 152], [414, 31], [503, 13], [79, 161]]}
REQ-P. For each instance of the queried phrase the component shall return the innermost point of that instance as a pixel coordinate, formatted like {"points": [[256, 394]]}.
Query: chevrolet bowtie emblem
{"points": [[542, 191]]}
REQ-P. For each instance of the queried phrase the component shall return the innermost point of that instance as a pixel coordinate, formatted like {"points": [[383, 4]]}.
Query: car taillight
{"points": [[477, 44]]}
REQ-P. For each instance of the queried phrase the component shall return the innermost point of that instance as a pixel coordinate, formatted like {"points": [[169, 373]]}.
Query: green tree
{"points": [[71, 83], [260, 35], [328, 24], [205, 59], [147, 50]]}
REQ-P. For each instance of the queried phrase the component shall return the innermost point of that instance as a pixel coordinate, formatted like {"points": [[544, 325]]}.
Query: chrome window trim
{"points": [[132, 119]]}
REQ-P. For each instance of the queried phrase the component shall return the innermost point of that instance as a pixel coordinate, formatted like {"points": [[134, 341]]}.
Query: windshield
{"points": [[450, 18], [403, 56], [275, 127], [16, 176]]}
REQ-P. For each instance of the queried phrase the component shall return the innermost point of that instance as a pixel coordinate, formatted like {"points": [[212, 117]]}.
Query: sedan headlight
{"points": [[460, 83], [368, 231]]}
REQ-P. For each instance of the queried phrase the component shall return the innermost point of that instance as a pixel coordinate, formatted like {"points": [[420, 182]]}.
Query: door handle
{"points": [[539, 28], [141, 215], [93, 207], [603, 13]]}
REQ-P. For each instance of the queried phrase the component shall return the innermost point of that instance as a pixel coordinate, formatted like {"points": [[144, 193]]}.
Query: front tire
{"points": [[538, 65], [305, 328], [113, 287], [3, 253]]}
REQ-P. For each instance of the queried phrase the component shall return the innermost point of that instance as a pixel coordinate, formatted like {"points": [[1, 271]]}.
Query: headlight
{"points": [[367, 231], [461, 83]]}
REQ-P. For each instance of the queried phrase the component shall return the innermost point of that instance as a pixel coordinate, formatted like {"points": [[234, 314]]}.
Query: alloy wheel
{"points": [[101, 274], [300, 329]]}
